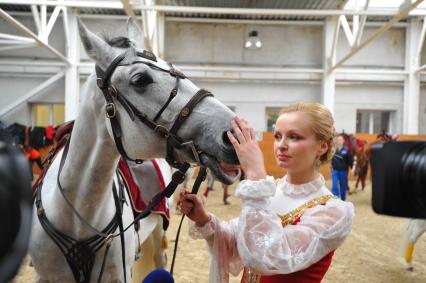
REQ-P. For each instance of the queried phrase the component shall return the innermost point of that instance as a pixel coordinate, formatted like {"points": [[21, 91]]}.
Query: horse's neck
{"points": [[90, 164]]}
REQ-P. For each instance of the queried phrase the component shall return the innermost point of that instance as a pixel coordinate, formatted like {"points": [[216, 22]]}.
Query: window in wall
{"points": [[271, 116], [374, 121], [48, 114]]}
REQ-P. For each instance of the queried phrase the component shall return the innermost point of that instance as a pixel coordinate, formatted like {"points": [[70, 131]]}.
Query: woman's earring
{"points": [[318, 163]]}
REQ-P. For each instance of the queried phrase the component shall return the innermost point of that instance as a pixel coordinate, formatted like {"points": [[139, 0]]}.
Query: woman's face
{"points": [[296, 147], [340, 141]]}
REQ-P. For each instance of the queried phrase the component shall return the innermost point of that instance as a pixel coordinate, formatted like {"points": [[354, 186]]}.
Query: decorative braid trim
{"points": [[293, 215]]}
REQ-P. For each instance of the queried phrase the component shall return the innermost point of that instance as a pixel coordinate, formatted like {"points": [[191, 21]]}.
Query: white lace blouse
{"points": [[257, 239]]}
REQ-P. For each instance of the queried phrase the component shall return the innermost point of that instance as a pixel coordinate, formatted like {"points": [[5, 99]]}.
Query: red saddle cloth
{"points": [[134, 190]]}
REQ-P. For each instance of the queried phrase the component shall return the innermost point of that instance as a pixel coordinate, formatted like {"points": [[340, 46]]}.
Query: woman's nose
{"points": [[283, 143]]}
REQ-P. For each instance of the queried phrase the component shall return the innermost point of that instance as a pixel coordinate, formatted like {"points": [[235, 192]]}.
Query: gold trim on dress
{"points": [[250, 277], [293, 215]]}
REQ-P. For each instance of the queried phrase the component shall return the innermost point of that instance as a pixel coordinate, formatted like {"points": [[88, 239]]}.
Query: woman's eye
{"points": [[277, 137], [141, 80], [294, 137]]}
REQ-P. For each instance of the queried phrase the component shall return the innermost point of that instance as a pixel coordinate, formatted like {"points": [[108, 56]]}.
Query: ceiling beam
{"points": [[78, 4], [402, 14], [278, 12], [29, 33], [217, 10]]}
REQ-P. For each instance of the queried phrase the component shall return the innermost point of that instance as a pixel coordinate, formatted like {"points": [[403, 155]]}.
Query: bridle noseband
{"points": [[174, 142]]}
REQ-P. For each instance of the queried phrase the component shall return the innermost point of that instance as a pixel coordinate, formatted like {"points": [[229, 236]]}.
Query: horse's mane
{"points": [[118, 41]]}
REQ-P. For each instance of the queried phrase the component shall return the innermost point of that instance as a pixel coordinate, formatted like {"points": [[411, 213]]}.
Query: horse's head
{"points": [[149, 96]]}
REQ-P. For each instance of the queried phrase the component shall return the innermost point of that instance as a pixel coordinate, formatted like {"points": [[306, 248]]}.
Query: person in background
{"points": [[340, 164], [209, 188], [289, 228]]}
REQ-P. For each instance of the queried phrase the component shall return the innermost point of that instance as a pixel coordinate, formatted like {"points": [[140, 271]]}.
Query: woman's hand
{"points": [[247, 149], [192, 206]]}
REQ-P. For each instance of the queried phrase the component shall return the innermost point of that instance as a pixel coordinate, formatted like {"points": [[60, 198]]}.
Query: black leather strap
{"points": [[188, 108], [200, 178]]}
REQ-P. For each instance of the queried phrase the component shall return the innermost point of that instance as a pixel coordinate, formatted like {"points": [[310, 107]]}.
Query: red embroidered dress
{"points": [[312, 274], [285, 232]]}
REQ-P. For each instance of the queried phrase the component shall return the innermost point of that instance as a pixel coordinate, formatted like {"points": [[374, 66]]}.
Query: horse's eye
{"points": [[141, 80]]}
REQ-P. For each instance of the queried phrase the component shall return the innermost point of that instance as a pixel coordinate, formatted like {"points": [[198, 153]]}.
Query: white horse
{"points": [[413, 229], [89, 167]]}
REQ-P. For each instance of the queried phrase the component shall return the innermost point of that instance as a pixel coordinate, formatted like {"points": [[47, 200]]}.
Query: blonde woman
{"points": [[288, 229]]}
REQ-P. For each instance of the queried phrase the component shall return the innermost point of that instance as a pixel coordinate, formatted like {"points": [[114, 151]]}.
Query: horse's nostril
{"points": [[225, 138]]}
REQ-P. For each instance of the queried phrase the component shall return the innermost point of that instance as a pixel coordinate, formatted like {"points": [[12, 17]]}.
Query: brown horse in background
{"points": [[357, 148]]}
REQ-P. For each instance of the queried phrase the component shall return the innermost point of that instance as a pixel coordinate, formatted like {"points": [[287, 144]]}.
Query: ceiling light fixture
{"points": [[253, 41]]}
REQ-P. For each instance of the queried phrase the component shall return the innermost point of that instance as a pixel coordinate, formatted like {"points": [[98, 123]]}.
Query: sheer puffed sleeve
{"points": [[221, 240], [221, 236], [267, 248]]}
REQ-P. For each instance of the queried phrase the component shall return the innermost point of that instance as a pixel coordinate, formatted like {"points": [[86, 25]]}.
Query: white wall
{"points": [[251, 98], [203, 44], [386, 51], [224, 44], [366, 96], [14, 88]]}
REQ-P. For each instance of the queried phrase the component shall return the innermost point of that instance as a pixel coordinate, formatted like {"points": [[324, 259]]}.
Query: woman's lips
{"points": [[283, 157]]}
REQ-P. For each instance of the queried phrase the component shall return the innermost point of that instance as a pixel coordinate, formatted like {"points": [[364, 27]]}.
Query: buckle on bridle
{"points": [[110, 110], [100, 83], [162, 131], [113, 91]]}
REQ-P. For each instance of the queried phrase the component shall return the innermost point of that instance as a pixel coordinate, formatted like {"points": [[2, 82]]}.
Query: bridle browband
{"points": [[173, 140], [80, 253]]}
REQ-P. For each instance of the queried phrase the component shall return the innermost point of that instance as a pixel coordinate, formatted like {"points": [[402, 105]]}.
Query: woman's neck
{"points": [[302, 177]]}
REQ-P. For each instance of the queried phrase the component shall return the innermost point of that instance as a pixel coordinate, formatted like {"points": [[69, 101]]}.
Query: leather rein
{"points": [[80, 253]]}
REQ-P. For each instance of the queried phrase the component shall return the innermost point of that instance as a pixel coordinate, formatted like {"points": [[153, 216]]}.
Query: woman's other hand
{"points": [[247, 149], [192, 206]]}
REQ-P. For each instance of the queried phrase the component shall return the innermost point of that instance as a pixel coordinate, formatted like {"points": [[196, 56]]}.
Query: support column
{"points": [[410, 120], [330, 35], [72, 74], [161, 26]]}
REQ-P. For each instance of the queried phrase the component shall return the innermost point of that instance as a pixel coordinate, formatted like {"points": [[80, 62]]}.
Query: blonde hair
{"points": [[322, 125]]}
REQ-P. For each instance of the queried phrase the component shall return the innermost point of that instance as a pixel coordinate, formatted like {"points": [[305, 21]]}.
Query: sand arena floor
{"points": [[370, 254]]}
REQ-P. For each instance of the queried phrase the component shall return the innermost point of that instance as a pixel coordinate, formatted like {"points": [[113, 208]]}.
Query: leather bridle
{"points": [[111, 93]]}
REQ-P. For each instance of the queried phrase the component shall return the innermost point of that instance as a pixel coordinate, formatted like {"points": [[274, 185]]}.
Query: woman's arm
{"points": [[219, 235], [221, 241]]}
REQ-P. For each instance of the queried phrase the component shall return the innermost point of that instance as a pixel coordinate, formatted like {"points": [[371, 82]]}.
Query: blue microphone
{"points": [[159, 276]]}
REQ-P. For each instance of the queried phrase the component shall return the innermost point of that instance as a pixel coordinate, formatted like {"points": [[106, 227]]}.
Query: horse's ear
{"points": [[96, 47], [135, 34]]}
